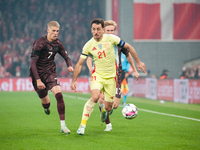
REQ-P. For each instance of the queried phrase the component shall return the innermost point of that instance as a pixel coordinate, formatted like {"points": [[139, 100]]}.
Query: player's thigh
{"points": [[51, 81], [95, 94], [110, 89], [41, 93], [108, 105], [96, 82], [56, 89]]}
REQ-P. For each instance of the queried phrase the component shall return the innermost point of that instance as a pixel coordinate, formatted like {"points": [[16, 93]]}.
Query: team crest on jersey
{"points": [[106, 44], [100, 46], [51, 48], [56, 48]]}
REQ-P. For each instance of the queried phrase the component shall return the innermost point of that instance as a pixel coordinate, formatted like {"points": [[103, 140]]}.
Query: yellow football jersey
{"points": [[103, 54]]}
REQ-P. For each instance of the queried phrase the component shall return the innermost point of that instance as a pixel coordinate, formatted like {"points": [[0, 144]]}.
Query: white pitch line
{"points": [[172, 115]]}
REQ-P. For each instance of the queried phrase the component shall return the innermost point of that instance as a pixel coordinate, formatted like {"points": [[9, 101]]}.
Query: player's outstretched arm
{"points": [[140, 65], [131, 62], [77, 71], [89, 64]]}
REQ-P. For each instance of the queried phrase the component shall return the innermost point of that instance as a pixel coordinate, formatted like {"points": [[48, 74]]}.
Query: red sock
{"points": [[60, 105], [45, 106]]}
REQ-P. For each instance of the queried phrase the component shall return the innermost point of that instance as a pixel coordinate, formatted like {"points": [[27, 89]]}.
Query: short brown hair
{"points": [[53, 24], [110, 23], [98, 21]]}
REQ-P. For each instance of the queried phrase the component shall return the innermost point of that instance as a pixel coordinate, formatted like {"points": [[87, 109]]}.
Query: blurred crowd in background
{"points": [[191, 72], [22, 22]]}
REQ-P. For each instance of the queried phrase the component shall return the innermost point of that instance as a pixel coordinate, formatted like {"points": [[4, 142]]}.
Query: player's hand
{"points": [[70, 69], [73, 86], [136, 74], [116, 103], [90, 71], [142, 66], [40, 85]]}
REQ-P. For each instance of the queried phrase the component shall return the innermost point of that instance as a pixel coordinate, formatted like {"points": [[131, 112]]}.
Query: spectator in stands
{"points": [[184, 75], [23, 68], [197, 72], [20, 25], [164, 75], [64, 72], [3, 72]]}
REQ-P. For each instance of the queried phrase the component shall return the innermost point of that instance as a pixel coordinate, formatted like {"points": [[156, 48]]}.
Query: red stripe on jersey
{"points": [[93, 71]]}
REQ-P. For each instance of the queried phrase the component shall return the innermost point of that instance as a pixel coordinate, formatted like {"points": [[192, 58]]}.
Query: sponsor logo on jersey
{"points": [[94, 48]]}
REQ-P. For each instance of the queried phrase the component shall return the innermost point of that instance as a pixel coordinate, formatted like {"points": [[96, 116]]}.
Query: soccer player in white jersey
{"points": [[101, 47], [110, 27]]}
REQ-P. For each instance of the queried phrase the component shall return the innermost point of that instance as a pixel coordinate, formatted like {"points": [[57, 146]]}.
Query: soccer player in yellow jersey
{"points": [[110, 27], [101, 47]]}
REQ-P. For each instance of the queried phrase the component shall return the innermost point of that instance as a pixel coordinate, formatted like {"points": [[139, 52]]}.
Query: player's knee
{"points": [[95, 98], [108, 108], [59, 97], [42, 94]]}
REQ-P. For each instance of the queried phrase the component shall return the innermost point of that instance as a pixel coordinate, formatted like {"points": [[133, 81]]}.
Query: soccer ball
{"points": [[129, 111]]}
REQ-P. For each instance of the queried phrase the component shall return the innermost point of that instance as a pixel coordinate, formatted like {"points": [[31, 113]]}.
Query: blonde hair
{"points": [[53, 24], [110, 23]]}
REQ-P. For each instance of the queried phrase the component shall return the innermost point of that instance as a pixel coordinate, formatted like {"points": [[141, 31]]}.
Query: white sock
{"points": [[62, 122], [108, 124]]}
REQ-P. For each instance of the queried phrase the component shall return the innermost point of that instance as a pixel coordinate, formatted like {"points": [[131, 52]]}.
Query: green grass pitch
{"points": [[25, 126]]}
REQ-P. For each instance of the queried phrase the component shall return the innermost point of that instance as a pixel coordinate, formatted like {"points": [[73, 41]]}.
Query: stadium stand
{"points": [[21, 22]]}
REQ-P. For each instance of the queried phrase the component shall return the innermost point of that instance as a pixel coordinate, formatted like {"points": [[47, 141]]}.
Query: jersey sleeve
{"points": [[65, 55], [117, 41], [85, 51], [38, 45]]}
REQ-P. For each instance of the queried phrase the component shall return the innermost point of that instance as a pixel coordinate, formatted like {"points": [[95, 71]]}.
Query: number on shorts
{"points": [[93, 78]]}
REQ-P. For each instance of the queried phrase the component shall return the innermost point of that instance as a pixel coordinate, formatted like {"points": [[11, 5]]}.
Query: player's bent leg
{"points": [[87, 110], [46, 104], [104, 113], [89, 105], [109, 107], [60, 108]]}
